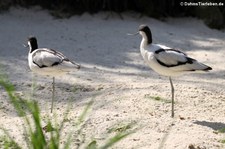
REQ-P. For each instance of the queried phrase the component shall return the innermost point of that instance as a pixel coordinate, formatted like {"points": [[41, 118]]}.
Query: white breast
{"points": [[148, 54]]}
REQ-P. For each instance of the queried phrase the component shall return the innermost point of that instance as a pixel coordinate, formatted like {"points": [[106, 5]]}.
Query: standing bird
{"points": [[48, 62], [167, 61]]}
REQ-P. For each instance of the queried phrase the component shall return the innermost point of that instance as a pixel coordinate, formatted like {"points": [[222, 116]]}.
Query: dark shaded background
{"points": [[213, 16]]}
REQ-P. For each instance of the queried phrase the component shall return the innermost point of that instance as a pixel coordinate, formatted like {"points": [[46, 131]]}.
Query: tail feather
{"points": [[197, 66], [69, 65], [208, 68], [192, 66]]}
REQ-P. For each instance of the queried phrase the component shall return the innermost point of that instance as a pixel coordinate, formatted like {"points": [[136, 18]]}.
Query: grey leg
{"points": [[172, 91], [53, 93]]}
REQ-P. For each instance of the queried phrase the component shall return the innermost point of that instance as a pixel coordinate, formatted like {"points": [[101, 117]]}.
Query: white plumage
{"points": [[169, 62], [165, 60], [48, 62]]}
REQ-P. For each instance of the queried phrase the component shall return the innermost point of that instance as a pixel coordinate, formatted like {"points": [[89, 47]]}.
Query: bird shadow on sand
{"points": [[213, 125]]}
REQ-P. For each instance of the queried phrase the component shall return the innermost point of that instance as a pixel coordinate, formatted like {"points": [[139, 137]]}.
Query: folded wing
{"points": [[47, 58], [178, 60]]}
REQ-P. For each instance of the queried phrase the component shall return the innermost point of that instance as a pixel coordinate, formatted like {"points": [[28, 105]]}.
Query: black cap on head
{"points": [[33, 43], [32, 39], [144, 28]]}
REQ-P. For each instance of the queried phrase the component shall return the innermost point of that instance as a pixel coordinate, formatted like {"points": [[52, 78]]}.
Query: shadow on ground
{"points": [[212, 125]]}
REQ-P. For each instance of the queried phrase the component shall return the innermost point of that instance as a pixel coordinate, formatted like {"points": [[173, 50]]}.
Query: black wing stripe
{"points": [[159, 50], [163, 50], [56, 63], [42, 66], [189, 61]]}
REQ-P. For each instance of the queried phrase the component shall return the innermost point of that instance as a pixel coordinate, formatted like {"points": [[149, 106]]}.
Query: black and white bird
{"points": [[167, 61], [49, 62]]}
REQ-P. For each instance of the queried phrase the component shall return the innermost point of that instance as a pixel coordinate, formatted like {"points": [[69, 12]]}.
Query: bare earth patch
{"points": [[114, 75]]}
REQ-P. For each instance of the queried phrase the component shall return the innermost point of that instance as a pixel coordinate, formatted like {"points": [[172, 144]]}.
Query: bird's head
{"points": [[32, 43]]}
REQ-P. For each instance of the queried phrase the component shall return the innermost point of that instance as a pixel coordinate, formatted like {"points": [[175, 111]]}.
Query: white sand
{"points": [[112, 64]]}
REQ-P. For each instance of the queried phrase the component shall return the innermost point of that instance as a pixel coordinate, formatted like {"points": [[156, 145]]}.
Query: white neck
{"points": [[29, 47], [144, 43]]}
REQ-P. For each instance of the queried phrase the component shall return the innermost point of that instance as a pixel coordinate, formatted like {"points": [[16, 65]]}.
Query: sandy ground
{"points": [[115, 76]]}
